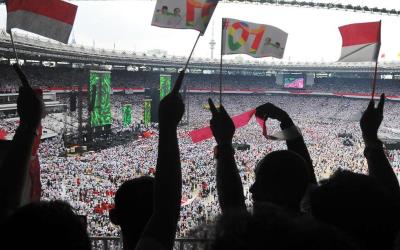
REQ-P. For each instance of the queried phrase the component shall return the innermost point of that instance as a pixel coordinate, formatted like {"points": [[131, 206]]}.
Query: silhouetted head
{"points": [[273, 228], [282, 179], [45, 225], [358, 205], [133, 205], [270, 229]]}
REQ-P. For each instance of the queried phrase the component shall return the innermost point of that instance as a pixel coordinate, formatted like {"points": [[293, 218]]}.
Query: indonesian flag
{"points": [[50, 18], [184, 14], [360, 42], [256, 40]]}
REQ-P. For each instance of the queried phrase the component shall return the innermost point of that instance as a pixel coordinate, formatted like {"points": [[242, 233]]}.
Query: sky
{"points": [[313, 33]]}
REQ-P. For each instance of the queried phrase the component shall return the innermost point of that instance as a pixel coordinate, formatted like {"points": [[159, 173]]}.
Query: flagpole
{"points": [[13, 45], [374, 81], [191, 53], [21, 75], [220, 63]]}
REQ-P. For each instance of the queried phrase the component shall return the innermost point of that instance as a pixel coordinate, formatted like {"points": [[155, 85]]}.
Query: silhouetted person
{"points": [[273, 228], [282, 177], [365, 207], [15, 167], [161, 229], [44, 225], [133, 209]]}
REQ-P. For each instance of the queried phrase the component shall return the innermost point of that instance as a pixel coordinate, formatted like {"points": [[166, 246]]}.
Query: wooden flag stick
{"points": [[374, 81]]}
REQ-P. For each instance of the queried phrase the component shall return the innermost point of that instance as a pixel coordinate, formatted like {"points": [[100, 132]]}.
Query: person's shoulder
{"points": [[149, 243]]}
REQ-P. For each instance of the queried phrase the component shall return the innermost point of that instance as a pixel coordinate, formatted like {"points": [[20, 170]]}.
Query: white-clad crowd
{"points": [[88, 182]]}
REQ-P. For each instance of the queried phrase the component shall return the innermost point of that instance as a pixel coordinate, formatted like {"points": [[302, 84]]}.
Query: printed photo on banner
{"points": [[256, 40], [184, 14]]}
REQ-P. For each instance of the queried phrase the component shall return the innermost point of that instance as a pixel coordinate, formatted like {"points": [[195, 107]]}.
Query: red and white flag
{"points": [[50, 18], [360, 42]]}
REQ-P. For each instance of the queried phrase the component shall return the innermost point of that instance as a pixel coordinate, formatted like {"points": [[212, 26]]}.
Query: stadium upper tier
{"points": [[37, 49]]}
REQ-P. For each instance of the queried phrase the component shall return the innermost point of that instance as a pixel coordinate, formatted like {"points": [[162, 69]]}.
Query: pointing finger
{"points": [[213, 109], [178, 83]]}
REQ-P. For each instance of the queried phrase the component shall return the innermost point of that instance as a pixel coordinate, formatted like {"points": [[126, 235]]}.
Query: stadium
{"points": [[101, 125]]}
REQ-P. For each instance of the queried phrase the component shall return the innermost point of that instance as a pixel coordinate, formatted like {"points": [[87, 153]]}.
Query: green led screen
{"points": [[99, 98], [127, 115], [165, 85], [147, 112]]}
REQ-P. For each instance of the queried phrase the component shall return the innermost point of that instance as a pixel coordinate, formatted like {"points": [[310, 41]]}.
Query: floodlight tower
{"points": [[212, 42]]}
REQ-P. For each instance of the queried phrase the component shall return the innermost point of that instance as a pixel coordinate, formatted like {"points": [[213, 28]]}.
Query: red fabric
{"points": [[360, 33], [54, 9], [3, 134], [239, 121]]}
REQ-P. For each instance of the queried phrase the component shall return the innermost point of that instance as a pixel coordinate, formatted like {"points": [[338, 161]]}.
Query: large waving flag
{"points": [[184, 14], [360, 42], [50, 18], [256, 40]]}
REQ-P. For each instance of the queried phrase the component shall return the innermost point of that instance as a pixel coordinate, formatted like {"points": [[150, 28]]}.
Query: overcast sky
{"points": [[313, 33]]}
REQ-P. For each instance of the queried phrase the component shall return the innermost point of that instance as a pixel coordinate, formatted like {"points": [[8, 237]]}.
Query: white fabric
{"points": [[360, 53], [39, 24], [272, 40], [183, 14]]}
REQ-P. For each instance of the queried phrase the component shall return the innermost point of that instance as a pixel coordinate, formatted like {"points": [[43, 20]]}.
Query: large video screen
{"points": [[99, 98], [294, 81]]}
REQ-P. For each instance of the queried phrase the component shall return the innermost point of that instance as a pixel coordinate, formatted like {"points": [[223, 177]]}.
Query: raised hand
{"points": [[171, 107], [221, 124], [269, 110], [372, 119], [30, 107]]}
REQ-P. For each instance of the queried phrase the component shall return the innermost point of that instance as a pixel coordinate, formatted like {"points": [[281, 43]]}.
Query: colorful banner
{"points": [[165, 85], [184, 14], [99, 98], [147, 112], [127, 115], [256, 40]]}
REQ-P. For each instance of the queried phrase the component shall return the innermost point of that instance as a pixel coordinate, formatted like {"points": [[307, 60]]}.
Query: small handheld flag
{"points": [[360, 42], [184, 14], [50, 18], [256, 40]]}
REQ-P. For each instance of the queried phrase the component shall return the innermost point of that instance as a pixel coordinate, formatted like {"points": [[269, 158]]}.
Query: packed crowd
{"points": [[334, 187], [89, 181], [62, 77]]}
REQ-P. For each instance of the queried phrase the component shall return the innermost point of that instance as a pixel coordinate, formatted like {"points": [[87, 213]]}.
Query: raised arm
{"points": [[161, 229], [295, 142], [229, 184], [378, 164], [15, 167]]}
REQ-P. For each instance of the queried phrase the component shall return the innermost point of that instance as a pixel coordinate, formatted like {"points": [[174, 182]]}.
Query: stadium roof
{"points": [[34, 48], [386, 7]]}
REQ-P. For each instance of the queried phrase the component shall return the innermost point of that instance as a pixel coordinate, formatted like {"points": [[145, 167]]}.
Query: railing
{"points": [[115, 243]]}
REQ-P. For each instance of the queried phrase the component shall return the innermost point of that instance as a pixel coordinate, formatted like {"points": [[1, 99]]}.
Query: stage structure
{"points": [[99, 108], [127, 115]]}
